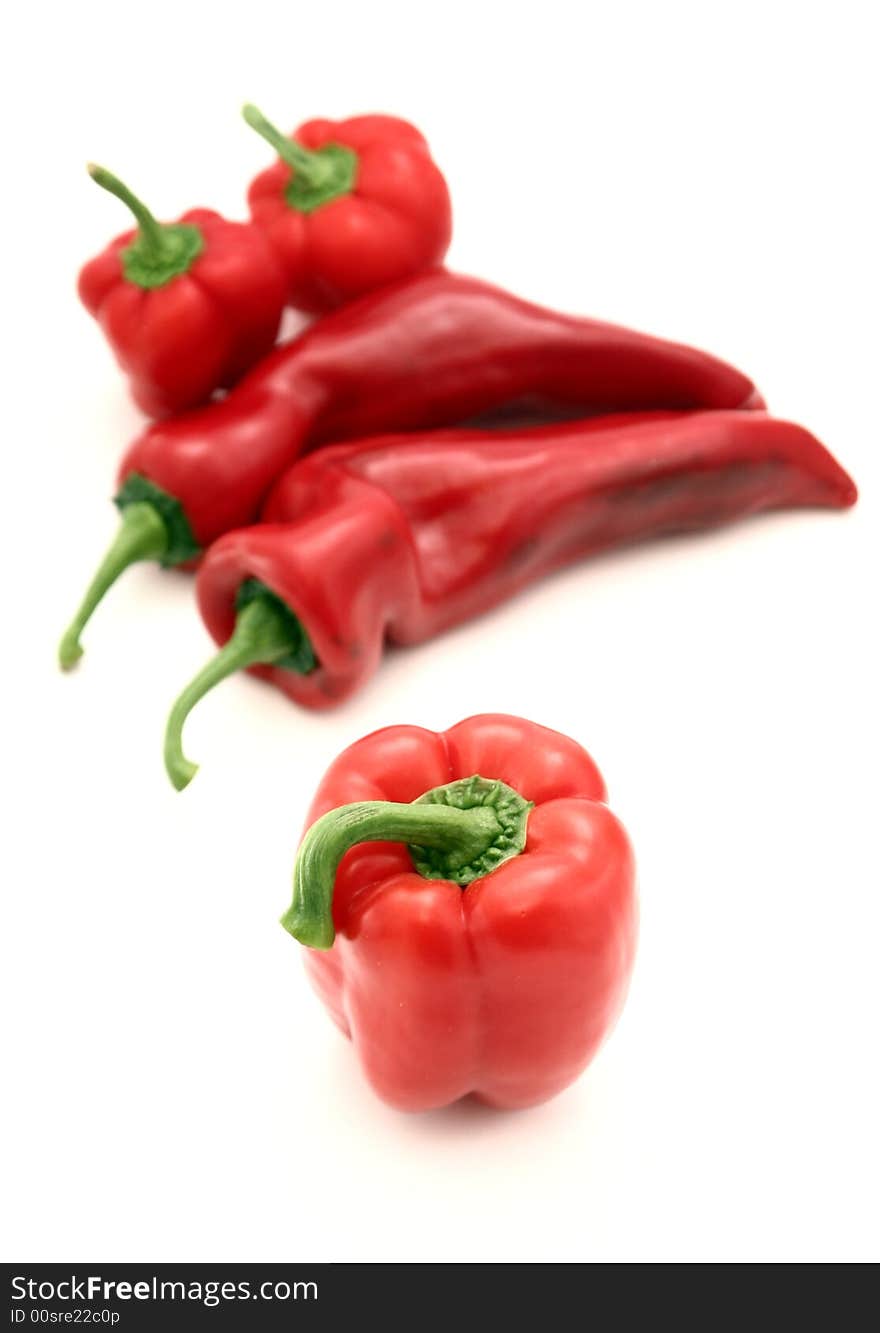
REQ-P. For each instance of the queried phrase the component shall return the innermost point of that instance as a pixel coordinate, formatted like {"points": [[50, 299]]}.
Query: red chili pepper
{"points": [[351, 205], [188, 306], [482, 899], [429, 352], [400, 538]]}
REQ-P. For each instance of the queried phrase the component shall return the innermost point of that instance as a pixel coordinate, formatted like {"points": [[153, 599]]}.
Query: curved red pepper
{"points": [[399, 538], [429, 352], [350, 205], [491, 956]]}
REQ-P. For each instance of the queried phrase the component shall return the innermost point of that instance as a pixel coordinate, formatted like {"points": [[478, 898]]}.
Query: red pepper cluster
{"points": [[403, 519]]}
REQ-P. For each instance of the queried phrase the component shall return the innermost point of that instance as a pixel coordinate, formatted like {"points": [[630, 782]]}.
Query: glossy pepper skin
{"points": [[349, 206], [453, 980], [187, 307], [429, 352], [398, 538]]}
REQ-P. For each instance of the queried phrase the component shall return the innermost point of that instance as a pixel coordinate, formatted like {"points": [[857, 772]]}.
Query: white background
{"points": [[706, 172]]}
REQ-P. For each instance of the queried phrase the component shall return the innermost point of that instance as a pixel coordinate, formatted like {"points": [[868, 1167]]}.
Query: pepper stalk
{"points": [[266, 633], [457, 832], [154, 527], [319, 175], [160, 251]]}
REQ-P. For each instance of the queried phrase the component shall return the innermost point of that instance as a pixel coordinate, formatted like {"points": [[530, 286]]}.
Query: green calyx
{"points": [[459, 832], [300, 656], [180, 543], [319, 175], [160, 251], [266, 633], [509, 811]]}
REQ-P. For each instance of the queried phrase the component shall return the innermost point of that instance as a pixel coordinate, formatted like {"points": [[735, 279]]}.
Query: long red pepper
{"points": [[187, 306], [479, 898], [433, 351], [400, 538]]}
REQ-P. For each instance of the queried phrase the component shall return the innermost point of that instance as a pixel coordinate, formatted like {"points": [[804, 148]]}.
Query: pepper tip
{"points": [[181, 772], [849, 493], [314, 935], [69, 651]]}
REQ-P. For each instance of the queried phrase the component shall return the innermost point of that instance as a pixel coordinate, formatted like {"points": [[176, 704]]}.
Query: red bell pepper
{"points": [[349, 206], [399, 538], [479, 898], [432, 351], [188, 306]]}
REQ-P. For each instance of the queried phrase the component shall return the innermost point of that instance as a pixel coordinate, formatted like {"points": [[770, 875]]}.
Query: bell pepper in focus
{"points": [[400, 537], [188, 306], [468, 904], [431, 351], [350, 205]]}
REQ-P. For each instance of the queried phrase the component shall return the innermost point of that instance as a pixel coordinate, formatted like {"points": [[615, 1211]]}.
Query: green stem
{"points": [[308, 165], [459, 832], [152, 232], [309, 919], [142, 535], [319, 176], [160, 251], [266, 632]]}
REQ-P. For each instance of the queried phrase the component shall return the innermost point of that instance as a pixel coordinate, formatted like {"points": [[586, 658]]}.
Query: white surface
{"points": [[706, 172]]}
